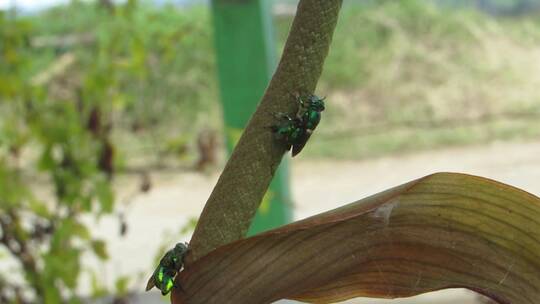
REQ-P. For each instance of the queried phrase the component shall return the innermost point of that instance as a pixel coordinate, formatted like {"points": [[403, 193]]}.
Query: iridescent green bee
{"points": [[296, 131], [169, 266]]}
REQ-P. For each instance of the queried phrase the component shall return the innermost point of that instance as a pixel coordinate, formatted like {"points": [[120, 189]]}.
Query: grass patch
{"points": [[407, 140], [392, 63]]}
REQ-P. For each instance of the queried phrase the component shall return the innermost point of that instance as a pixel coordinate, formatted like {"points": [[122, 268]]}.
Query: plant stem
{"points": [[228, 212], [15, 243]]}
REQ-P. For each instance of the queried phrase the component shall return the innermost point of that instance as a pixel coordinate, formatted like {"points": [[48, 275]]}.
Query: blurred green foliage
{"points": [[157, 65], [392, 63], [73, 81], [43, 137]]}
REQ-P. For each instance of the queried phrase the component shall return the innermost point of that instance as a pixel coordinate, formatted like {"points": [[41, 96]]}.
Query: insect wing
{"points": [[300, 143], [151, 283]]}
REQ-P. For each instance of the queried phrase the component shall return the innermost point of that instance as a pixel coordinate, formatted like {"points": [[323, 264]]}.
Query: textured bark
{"points": [[228, 212]]}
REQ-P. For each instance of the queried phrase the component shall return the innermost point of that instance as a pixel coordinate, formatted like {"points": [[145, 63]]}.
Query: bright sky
{"points": [[30, 4], [33, 5]]}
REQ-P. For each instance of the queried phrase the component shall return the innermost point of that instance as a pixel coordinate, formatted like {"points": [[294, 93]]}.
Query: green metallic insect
{"points": [[296, 131], [169, 266]]}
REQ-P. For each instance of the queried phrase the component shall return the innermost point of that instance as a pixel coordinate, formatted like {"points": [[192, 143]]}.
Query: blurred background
{"points": [[116, 118]]}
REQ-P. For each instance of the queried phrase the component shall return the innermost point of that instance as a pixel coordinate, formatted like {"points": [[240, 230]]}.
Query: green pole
{"points": [[246, 60]]}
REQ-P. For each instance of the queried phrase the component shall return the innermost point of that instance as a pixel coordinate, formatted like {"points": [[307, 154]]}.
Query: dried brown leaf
{"points": [[441, 231]]}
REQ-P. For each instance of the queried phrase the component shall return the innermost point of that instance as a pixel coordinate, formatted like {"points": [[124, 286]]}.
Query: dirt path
{"points": [[317, 186]]}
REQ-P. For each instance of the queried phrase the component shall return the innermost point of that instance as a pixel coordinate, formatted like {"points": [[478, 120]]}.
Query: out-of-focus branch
{"points": [[14, 241], [63, 41], [57, 68]]}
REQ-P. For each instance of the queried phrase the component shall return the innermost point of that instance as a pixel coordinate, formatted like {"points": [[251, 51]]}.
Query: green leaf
{"points": [[46, 161], [75, 300], [66, 230], [122, 285], [442, 231], [105, 196], [39, 208], [64, 265], [52, 294], [100, 249], [97, 287], [80, 230]]}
